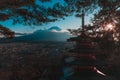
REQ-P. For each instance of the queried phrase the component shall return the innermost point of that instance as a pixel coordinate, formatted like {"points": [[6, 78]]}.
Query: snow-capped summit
{"points": [[55, 28]]}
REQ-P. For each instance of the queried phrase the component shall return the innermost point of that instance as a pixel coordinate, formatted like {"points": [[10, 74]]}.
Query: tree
{"points": [[27, 12], [30, 13], [6, 32], [7, 9], [105, 30], [107, 21]]}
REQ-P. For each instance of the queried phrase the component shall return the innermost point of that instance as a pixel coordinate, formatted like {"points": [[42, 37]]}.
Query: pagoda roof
{"points": [[82, 37]]}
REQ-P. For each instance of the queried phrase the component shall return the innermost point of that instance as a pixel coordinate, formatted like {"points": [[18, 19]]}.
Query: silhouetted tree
{"points": [[108, 16], [105, 30], [28, 12]]}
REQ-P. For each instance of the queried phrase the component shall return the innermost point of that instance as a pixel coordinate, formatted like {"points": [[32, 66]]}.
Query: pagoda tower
{"points": [[80, 62]]}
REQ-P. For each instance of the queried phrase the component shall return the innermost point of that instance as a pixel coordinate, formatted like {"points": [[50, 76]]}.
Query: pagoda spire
{"points": [[83, 15]]}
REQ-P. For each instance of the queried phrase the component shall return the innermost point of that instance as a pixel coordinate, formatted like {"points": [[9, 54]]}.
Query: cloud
{"points": [[61, 31]]}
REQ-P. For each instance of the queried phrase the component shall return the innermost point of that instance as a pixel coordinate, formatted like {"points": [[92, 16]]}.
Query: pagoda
{"points": [[80, 62]]}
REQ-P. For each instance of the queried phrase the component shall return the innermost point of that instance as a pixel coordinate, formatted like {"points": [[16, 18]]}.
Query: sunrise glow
{"points": [[109, 27]]}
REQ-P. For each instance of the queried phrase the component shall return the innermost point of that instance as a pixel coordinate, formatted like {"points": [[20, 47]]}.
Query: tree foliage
{"points": [[6, 32], [106, 25], [30, 13], [109, 14], [27, 12]]}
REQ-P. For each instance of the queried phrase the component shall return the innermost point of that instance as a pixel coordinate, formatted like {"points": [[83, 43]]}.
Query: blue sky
{"points": [[70, 22]]}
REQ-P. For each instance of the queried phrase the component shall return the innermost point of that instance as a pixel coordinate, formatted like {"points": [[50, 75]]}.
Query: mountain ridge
{"points": [[44, 35]]}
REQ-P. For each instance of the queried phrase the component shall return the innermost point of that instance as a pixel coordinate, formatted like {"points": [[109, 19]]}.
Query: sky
{"points": [[70, 22]]}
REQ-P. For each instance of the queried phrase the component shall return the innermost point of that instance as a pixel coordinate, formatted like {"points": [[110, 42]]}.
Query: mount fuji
{"points": [[52, 34]]}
